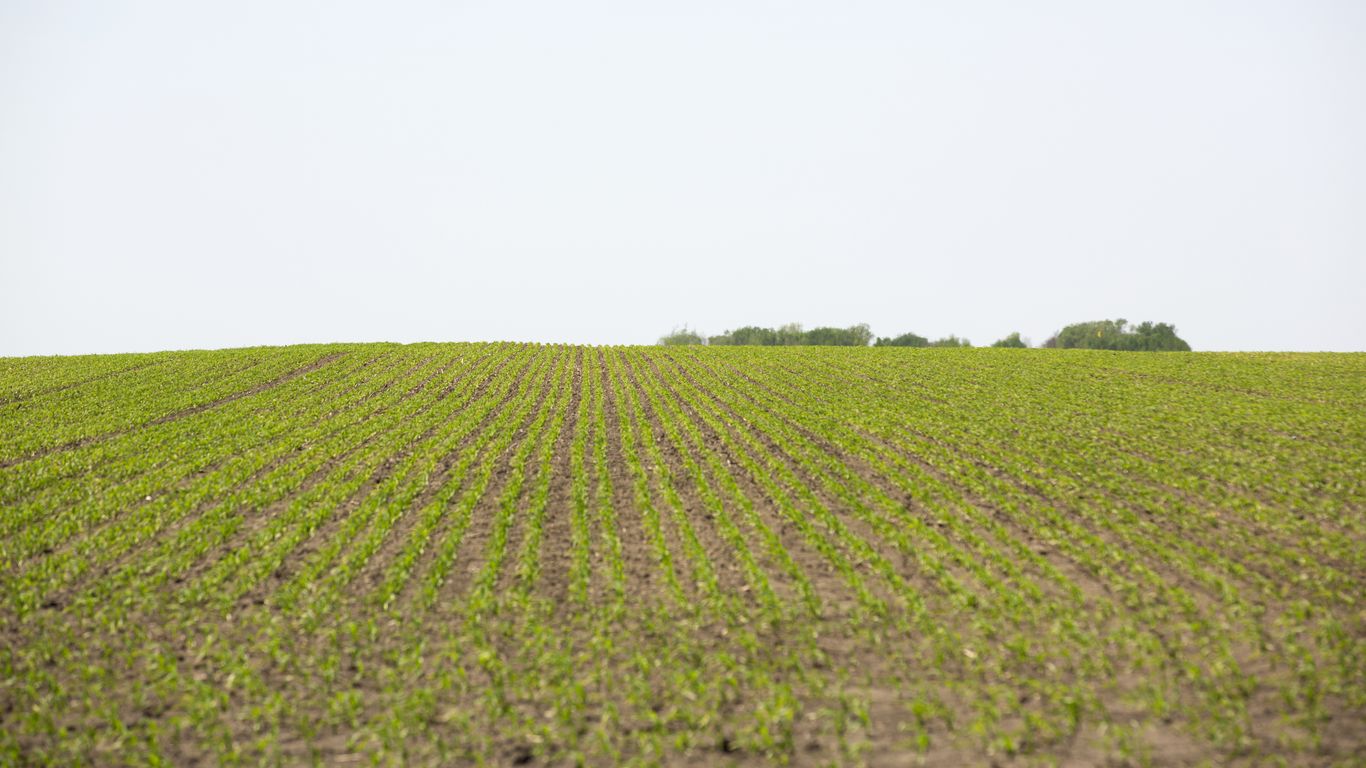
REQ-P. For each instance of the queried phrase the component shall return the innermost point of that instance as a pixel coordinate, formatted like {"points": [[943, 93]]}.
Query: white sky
{"points": [[185, 174]]}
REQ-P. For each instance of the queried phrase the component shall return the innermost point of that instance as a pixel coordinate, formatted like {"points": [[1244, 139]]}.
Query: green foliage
{"points": [[1013, 341], [1118, 335], [853, 336], [682, 337], [792, 335], [950, 341], [748, 336], [904, 340]]}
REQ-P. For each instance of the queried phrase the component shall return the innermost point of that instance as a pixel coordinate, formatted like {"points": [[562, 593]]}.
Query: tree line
{"points": [[1098, 334], [1117, 334]]}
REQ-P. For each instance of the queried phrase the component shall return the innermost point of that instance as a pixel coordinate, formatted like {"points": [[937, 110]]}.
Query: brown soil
{"points": [[742, 673]]}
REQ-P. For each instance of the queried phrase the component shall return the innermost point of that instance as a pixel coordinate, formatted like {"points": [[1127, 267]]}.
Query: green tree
{"points": [[904, 340], [1013, 341], [793, 335], [1119, 335], [682, 336], [950, 341], [853, 336], [749, 336]]}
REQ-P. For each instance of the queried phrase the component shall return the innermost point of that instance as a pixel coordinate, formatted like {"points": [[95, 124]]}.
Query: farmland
{"points": [[461, 553]]}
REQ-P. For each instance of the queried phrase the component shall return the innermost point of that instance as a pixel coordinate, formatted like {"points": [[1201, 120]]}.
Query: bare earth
{"points": [[520, 554]]}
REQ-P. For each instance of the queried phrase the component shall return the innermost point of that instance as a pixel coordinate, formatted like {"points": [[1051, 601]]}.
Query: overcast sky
{"points": [[185, 175]]}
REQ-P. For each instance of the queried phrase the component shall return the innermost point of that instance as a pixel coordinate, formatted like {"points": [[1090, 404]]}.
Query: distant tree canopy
{"points": [[1013, 341], [1119, 335], [1100, 334], [913, 340], [853, 336], [751, 336], [681, 336], [791, 335], [904, 340], [950, 341]]}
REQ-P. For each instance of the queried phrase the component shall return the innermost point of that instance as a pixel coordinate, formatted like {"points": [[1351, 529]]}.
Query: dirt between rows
{"points": [[735, 672]]}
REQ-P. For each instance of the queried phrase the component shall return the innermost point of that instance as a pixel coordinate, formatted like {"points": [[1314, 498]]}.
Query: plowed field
{"points": [[440, 554]]}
